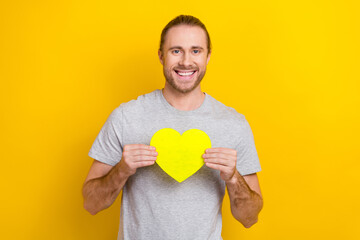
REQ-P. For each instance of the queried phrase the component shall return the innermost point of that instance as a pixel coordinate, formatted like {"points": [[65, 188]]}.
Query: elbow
{"points": [[246, 220], [90, 209], [248, 224], [89, 206]]}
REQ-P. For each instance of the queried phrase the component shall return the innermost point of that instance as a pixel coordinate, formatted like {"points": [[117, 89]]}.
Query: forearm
{"points": [[100, 193], [245, 203]]}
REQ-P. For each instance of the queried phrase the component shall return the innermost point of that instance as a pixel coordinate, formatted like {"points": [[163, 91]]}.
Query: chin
{"points": [[181, 85], [184, 90]]}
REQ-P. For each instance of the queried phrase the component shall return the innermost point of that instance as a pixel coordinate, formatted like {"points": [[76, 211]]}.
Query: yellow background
{"points": [[291, 67]]}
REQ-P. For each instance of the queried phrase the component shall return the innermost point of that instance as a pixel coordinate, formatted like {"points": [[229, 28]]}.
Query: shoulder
{"points": [[227, 112], [141, 103]]}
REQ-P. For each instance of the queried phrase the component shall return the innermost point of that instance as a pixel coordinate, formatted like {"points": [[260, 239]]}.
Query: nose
{"points": [[185, 60]]}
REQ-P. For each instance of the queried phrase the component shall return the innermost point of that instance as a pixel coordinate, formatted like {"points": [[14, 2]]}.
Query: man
{"points": [[155, 206]]}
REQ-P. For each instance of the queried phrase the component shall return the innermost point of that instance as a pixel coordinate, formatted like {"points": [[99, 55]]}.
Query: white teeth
{"points": [[185, 73]]}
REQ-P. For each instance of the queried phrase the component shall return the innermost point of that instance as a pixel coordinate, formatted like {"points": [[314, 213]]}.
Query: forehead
{"points": [[185, 36]]}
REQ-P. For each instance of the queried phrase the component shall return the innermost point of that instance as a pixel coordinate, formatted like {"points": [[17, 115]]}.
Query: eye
{"points": [[176, 51], [196, 51]]}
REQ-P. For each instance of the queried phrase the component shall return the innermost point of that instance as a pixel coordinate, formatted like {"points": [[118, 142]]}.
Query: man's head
{"points": [[185, 50], [184, 20]]}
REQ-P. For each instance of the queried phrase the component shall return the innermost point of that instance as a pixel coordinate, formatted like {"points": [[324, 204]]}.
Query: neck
{"points": [[184, 101]]}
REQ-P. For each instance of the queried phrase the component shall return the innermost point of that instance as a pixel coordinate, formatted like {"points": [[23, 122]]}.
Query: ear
{"points": [[160, 56], [208, 58]]}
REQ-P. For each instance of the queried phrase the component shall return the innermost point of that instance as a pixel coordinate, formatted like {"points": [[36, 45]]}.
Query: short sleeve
{"points": [[247, 157], [107, 146]]}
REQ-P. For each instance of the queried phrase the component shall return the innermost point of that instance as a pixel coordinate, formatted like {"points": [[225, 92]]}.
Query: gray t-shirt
{"points": [[154, 205]]}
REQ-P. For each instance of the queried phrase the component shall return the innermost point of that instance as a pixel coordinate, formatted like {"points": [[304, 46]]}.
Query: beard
{"points": [[170, 79]]}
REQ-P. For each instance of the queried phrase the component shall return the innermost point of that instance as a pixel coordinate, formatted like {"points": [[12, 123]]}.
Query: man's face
{"points": [[184, 57]]}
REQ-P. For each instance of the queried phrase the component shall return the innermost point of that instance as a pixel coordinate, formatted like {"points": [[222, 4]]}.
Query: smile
{"points": [[185, 74]]}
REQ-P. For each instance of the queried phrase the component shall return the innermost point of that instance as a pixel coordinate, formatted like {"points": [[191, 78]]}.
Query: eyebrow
{"points": [[192, 47]]}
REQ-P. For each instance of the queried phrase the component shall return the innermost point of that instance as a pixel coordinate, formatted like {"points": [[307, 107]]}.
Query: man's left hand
{"points": [[222, 159]]}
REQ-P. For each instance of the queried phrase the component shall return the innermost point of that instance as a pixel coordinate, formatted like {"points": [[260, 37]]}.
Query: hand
{"points": [[135, 156], [222, 159]]}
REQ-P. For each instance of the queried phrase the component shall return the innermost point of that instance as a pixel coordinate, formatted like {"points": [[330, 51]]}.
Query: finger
{"points": [[138, 146], [228, 151], [137, 152], [221, 161], [141, 158], [218, 155], [221, 168], [144, 164]]}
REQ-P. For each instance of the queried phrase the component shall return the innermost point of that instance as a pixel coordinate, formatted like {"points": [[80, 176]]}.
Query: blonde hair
{"points": [[184, 20]]}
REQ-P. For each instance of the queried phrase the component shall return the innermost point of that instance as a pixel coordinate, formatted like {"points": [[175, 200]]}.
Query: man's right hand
{"points": [[135, 156], [104, 182]]}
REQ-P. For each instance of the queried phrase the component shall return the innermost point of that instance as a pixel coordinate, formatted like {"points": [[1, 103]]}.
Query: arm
{"points": [[245, 198], [104, 182], [244, 192]]}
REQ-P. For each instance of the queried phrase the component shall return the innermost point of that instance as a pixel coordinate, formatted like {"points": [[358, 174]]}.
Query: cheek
{"points": [[171, 65], [172, 60], [201, 61]]}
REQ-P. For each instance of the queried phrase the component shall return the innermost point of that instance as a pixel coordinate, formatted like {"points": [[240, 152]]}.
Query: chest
{"points": [[140, 129]]}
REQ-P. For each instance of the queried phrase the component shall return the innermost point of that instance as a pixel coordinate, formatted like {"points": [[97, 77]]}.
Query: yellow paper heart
{"points": [[180, 156]]}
